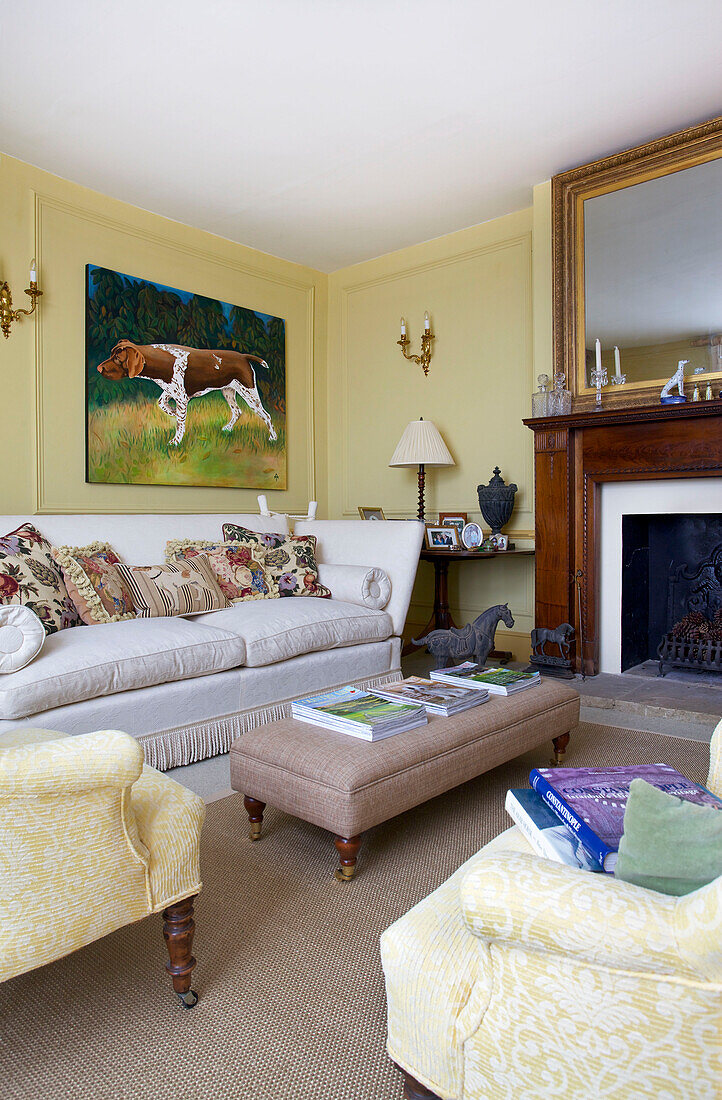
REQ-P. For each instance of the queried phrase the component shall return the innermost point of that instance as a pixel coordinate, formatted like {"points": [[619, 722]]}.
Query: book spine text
{"points": [[593, 844], [535, 836]]}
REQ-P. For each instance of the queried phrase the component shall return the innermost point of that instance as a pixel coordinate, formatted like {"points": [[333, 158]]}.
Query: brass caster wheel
{"points": [[189, 999], [255, 832], [341, 874]]}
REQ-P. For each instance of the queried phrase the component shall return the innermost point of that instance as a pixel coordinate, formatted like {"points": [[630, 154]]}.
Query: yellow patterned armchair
{"points": [[521, 978], [90, 840]]}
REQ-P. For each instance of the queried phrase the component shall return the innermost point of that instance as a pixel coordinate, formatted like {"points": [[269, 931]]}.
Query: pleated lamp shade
{"points": [[421, 445]]}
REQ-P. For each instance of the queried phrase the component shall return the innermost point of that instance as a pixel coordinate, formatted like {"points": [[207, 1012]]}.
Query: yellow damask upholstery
{"points": [[523, 978], [91, 839]]}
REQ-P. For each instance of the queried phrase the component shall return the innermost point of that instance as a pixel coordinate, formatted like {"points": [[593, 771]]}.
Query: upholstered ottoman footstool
{"points": [[346, 785]]}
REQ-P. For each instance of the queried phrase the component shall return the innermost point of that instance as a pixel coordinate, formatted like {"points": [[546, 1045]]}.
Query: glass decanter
{"points": [[540, 398], [560, 398]]}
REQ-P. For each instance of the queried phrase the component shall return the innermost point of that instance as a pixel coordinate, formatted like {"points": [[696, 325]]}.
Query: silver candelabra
{"points": [[599, 378]]}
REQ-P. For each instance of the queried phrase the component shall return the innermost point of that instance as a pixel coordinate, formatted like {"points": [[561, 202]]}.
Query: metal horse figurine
{"points": [[473, 640], [561, 636]]}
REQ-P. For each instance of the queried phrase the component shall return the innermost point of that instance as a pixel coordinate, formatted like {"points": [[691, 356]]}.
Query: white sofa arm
{"points": [[391, 545], [359, 584], [530, 902]]}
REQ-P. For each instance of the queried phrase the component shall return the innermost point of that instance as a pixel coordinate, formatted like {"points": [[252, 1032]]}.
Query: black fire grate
{"points": [[700, 656]]}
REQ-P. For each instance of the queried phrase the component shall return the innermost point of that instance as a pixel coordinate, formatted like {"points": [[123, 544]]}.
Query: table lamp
{"points": [[421, 445]]}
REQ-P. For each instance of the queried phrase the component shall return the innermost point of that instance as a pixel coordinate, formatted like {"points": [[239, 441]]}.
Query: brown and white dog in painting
{"points": [[183, 373]]}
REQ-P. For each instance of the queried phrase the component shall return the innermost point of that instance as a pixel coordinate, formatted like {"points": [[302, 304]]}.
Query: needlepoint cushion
{"points": [[238, 568], [289, 559], [179, 588], [668, 844], [94, 584], [263, 540], [29, 576], [21, 637]]}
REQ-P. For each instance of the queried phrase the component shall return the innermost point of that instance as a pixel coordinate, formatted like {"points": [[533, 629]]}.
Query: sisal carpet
{"points": [[291, 989]]}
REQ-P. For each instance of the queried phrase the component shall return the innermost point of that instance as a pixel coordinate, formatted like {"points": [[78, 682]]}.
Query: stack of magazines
{"points": [[356, 712], [498, 681], [576, 815], [437, 698]]}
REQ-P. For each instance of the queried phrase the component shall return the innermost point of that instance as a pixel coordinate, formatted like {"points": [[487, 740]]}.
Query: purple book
{"points": [[591, 801]]}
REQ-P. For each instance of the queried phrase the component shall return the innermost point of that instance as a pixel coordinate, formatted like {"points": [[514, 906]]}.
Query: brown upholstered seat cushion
{"points": [[347, 785]]}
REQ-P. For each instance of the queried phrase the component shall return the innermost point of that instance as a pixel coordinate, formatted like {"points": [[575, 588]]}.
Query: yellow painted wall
{"points": [[350, 393], [42, 441], [542, 282], [477, 286]]}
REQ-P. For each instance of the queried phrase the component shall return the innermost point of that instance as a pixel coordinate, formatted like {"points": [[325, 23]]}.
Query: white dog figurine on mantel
{"points": [[677, 379]]}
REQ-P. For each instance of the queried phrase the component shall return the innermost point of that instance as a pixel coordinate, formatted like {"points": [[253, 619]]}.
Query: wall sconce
{"points": [[7, 313], [425, 358]]}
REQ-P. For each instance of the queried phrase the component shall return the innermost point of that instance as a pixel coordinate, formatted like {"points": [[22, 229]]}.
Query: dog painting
{"points": [[181, 389], [183, 373]]}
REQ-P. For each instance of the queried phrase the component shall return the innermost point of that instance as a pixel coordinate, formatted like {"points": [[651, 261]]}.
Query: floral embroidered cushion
{"points": [[29, 576], [94, 584], [289, 559], [179, 588], [260, 540], [238, 568]]}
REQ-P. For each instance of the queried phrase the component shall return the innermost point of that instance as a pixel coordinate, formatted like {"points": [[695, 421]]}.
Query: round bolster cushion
{"points": [[21, 637], [362, 584]]}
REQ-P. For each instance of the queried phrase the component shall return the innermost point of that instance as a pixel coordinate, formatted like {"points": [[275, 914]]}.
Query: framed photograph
{"points": [[442, 538], [472, 536], [454, 519], [181, 389], [499, 542], [371, 513]]}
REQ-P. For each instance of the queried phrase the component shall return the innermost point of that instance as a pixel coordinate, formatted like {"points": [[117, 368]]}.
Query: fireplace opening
{"points": [[672, 588]]}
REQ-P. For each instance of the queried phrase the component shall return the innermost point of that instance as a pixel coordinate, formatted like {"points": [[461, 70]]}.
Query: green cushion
{"points": [[668, 845]]}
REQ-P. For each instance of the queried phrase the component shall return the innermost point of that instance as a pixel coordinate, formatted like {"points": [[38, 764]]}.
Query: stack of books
{"points": [[576, 815], [498, 681], [437, 698], [356, 712], [545, 833]]}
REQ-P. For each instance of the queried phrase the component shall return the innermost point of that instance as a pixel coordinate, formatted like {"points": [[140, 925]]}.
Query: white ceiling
{"points": [[331, 131]]}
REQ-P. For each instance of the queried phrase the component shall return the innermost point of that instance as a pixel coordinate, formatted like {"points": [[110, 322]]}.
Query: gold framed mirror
{"points": [[637, 269]]}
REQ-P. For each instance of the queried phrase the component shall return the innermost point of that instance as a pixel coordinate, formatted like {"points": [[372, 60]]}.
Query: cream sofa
{"points": [[520, 977], [186, 687]]}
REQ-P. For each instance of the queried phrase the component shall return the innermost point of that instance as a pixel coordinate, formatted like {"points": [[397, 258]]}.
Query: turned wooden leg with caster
{"points": [[348, 849], [178, 929], [254, 809], [415, 1091], [560, 747]]}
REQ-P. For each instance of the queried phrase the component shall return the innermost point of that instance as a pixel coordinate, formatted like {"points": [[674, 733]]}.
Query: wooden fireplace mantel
{"points": [[573, 456]]}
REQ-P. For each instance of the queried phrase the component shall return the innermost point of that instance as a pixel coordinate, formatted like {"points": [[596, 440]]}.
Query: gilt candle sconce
{"points": [[425, 358], [7, 314]]}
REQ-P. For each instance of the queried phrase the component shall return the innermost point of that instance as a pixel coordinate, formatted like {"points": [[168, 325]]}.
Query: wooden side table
{"points": [[441, 618]]}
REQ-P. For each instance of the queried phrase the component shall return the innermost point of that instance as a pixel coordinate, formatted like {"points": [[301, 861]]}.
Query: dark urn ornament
{"points": [[496, 501]]}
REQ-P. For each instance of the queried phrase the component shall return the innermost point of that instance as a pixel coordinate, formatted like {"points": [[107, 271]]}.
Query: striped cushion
{"points": [[179, 588]]}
